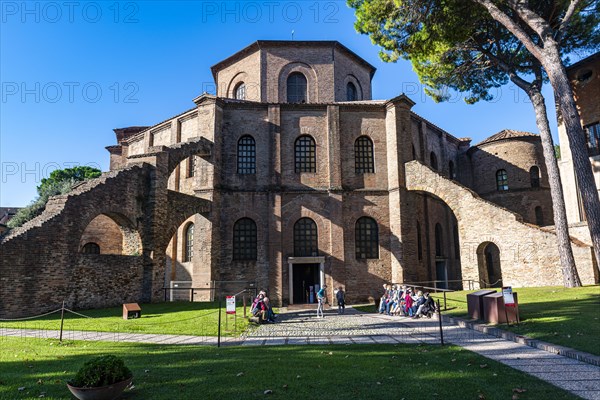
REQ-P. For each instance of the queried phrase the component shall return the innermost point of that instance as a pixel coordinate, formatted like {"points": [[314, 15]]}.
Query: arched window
{"points": [[191, 166], [244, 240], [539, 216], [240, 91], [363, 156], [451, 171], [433, 161], [439, 241], [305, 154], [501, 180], [296, 88], [90, 248], [419, 243], [456, 243], [246, 157], [534, 176], [188, 250], [351, 92], [366, 238], [305, 238]]}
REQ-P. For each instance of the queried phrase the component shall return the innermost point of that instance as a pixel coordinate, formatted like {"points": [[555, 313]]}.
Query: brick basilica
{"points": [[291, 177]]}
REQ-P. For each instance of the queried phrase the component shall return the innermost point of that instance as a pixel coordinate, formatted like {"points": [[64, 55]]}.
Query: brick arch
{"points": [[182, 207], [311, 81], [199, 146], [350, 78], [489, 263], [120, 237], [252, 88]]}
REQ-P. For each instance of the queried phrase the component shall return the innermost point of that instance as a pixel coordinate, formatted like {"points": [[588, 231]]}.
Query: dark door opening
{"points": [[305, 276], [441, 274]]}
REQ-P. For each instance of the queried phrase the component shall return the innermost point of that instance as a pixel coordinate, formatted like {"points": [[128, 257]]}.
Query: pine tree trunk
{"points": [[567, 261], [577, 142]]}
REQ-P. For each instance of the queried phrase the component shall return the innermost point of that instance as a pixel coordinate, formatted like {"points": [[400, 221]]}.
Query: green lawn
{"points": [[567, 317], [178, 318], [41, 367]]}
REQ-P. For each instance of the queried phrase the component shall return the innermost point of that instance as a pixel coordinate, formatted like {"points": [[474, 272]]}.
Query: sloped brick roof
{"points": [[507, 134]]}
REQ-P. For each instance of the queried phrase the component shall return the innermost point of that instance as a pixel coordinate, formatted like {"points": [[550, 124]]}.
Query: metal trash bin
{"points": [[475, 303], [496, 312]]}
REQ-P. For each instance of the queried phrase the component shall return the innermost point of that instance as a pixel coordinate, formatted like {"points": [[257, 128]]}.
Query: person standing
{"points": [[321, 301], [341, 300]]}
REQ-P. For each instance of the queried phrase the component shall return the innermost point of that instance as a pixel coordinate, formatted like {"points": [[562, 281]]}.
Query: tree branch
{"points": [[514, 77], [512, 26], [567, 18], [533, 20]]}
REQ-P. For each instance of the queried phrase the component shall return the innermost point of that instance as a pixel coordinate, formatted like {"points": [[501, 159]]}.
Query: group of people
{"points": [[340, 296], [402, 300], [261, 308], [396, 300]]}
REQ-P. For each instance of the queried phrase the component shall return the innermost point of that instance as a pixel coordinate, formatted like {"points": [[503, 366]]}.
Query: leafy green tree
{"points": [[550, 30], [76, 174], [59, 182], [454, 44]]}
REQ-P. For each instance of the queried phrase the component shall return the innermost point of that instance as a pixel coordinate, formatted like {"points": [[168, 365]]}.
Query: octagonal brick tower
{"points": [[259, 72]]}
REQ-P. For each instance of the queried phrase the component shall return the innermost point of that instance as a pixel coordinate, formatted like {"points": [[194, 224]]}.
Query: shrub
{"points": [[39, 204], [101, 371]]}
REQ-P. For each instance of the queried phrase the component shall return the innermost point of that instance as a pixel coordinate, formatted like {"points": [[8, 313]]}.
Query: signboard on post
{"points": [[230, 304], [509, 299]]}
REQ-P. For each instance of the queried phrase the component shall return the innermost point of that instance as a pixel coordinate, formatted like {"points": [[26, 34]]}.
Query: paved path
{"points": [[303, 328]]}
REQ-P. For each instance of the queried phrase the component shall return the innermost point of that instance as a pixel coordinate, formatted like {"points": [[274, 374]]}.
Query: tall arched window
{"points": [[501, 180], [305, 154], [363, 156], [191, 166], [246, 157], [240, 91], [456, 243], [305, 238], [534, 176], [296, 88], [366, 238], [188, 250], [244, 240], [90, 248], [539, 216], [419, 243], [439, 241], [433, 161], [351, 92], [451, 171]]}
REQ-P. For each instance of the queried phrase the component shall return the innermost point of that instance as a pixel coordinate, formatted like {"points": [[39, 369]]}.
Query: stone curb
{"points": [[538, 344]]}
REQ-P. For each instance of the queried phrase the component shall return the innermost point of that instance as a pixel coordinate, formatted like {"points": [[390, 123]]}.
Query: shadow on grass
{"points": [[567, 317], [191, 372]]}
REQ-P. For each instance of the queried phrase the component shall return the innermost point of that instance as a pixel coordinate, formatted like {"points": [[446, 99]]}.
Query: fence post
{"points": [[219, 328], [62, 320], [445, 307], [440, 321], [244, 300]]}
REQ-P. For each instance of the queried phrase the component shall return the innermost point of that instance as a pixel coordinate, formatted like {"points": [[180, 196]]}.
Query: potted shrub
{"points": [[101, 378]]}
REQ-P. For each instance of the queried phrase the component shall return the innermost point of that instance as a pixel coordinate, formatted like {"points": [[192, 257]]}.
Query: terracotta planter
{"points": [[110, 392]]}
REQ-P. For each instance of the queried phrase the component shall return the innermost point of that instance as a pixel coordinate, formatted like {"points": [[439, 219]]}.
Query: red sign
{"points": [[230, 303], [509, 299]]}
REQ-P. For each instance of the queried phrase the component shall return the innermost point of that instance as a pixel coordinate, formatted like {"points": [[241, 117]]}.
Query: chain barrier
{"points": [[27, 318], [81, 315]]}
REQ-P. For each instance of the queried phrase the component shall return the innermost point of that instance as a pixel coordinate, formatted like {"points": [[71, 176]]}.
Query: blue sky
{"points": [[73, 71]]}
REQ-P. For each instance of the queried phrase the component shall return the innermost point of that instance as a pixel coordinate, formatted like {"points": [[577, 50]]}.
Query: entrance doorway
{"points": [[441, 274], [305, 277]]}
